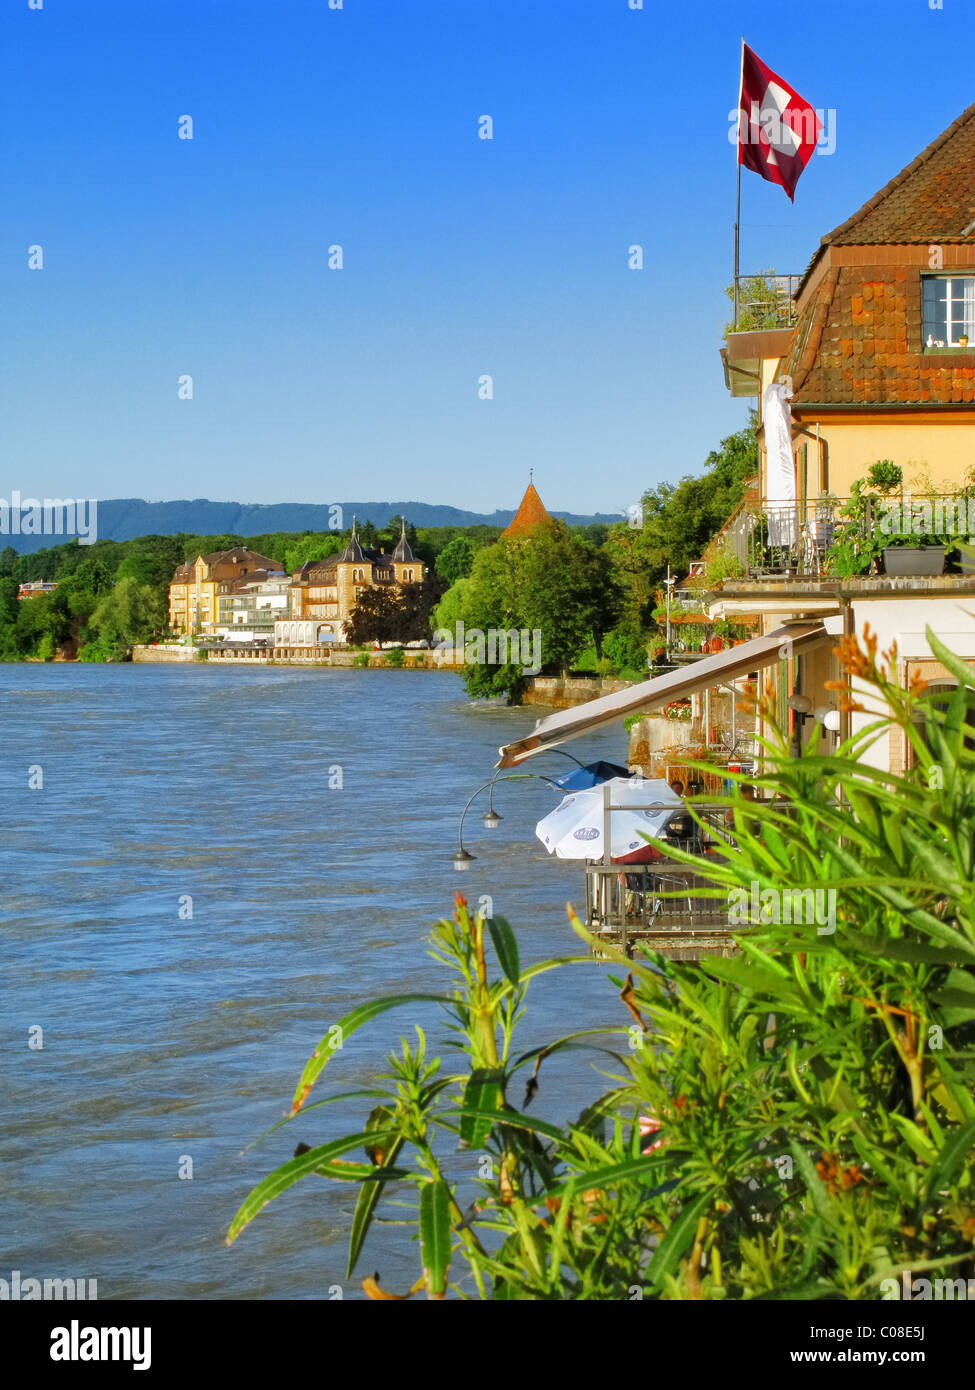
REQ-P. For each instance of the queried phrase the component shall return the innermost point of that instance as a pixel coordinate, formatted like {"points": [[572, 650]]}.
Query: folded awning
{"points": [[727, 665]]}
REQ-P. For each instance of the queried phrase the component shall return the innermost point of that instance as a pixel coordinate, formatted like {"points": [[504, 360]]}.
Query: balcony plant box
{"points": [[903, 561]]}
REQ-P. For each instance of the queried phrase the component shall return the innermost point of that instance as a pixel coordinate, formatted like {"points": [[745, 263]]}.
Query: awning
{"points": [[727, 665]]}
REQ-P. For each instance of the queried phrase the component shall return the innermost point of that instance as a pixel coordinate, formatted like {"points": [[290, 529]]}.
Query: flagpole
{"points": [[738, 163]]}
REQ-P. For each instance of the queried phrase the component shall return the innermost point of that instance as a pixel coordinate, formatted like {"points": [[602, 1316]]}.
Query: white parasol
{"points": [[574, 830]]}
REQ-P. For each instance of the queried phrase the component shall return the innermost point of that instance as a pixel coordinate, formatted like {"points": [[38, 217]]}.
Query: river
{"points": [[169, 1037]]}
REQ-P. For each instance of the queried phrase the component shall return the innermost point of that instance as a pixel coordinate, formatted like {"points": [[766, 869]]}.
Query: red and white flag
{"points": [[777, 129]]}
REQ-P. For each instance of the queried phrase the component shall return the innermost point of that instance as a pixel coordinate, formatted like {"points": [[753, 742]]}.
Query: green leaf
{"points": [[505, 947], [904, 948], [678, 1236], [641, 1168], [815, 1184], [955, 1151], [435, 1234], [510, 1118], [337, 1034], [916, 1138], [962, 1000], [958, 668], [480, 1094], [751, 975], [365, 1208], [293, 1171]]}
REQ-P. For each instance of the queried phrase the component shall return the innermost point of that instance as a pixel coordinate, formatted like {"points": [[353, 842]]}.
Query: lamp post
{"points": [[670, 586], [462, 857]]}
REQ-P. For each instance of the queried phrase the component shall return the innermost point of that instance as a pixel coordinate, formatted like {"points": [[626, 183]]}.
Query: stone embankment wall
{"points": [[413, 660], [556, 693], [164, 652]]}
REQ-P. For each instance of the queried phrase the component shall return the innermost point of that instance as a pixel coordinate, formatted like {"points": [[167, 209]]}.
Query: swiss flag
{"points": [[777, 128]]}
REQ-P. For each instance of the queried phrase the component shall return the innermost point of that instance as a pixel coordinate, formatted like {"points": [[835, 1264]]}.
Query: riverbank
{"points": [[395, 658]]}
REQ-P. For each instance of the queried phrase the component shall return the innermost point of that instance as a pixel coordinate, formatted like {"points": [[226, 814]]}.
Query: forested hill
{"points": [[126, 518]]}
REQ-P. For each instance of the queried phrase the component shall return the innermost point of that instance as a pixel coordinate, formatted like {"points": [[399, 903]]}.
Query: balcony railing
{"points": [[764, 301], [802, 538]]}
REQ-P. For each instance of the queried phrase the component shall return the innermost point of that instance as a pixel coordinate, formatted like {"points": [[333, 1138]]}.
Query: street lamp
{"points": [[462, 857], [670, 586]]}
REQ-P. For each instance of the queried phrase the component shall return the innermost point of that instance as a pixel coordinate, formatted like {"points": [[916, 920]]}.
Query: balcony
{"points": [[835, 539], [764, 301], [760, 330]]}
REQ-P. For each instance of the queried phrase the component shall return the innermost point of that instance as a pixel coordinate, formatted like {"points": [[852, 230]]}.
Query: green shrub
{"points": [[395, 656], [796, 1121], [361, 659]]}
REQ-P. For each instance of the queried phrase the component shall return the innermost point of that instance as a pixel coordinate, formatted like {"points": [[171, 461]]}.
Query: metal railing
{"points": [[664, 902], [795, 538], [765, 300]]}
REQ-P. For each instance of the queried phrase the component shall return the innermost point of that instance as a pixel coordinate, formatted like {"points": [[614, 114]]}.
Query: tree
{"points": [[679, 520], [129, 614], [313, 547], [8, 561], [549, 583], [377, 617], [456, 560]]}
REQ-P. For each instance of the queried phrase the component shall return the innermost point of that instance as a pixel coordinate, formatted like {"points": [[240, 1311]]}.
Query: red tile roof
{"points": [[931, 200], [858, 339], [859, 342], [530, 513]]}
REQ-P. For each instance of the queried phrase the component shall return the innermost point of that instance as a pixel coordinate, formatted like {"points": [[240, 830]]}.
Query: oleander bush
{"points": [[795, 1121]]}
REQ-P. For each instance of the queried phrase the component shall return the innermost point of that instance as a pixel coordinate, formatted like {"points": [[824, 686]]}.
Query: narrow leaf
{"points": [[505, 947], [337, 1034], [435, 1235]]}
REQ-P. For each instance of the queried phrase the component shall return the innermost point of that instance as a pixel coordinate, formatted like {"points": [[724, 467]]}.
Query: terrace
{"points": [[830, 539]]}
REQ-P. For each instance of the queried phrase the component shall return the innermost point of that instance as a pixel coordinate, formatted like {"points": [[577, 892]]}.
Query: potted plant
{"points": [[916, 556], [963, 340]]}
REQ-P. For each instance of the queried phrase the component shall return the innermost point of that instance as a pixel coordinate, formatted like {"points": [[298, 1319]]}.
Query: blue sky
{"points": [[462, 257]]}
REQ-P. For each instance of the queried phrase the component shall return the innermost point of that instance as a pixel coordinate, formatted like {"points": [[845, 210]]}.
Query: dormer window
{"points": [[948, 311]]}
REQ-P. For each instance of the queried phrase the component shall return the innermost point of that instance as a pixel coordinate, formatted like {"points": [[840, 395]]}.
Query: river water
{"points": [[169, 1038]]}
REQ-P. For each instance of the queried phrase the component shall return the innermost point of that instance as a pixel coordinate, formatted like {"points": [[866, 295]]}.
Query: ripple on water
{"points": [[167, 1036]]}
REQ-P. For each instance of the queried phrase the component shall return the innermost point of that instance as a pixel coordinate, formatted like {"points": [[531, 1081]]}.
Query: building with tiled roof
{"points": [[883, 343], [531, 513], [874, 362], [194, 587], [326, 591]]}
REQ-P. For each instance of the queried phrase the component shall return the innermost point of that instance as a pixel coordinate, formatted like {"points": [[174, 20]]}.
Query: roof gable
{"points": [[931, 200]]}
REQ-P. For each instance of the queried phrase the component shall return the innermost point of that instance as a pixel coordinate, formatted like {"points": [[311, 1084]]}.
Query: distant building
{"points": [[247, 608], [324, 592], [34, 587], [193, 590]]}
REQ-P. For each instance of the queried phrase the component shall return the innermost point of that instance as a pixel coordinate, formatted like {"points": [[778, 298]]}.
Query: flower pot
{"points": [[902, 561], [716, 644]]}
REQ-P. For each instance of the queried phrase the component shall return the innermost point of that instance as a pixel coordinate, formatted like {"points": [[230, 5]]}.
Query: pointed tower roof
{"points": [[353, 553], [403, 553], [531, 513]]}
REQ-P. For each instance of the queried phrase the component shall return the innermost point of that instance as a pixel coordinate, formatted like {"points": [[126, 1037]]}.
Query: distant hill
{"points": [[125, 518]]}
